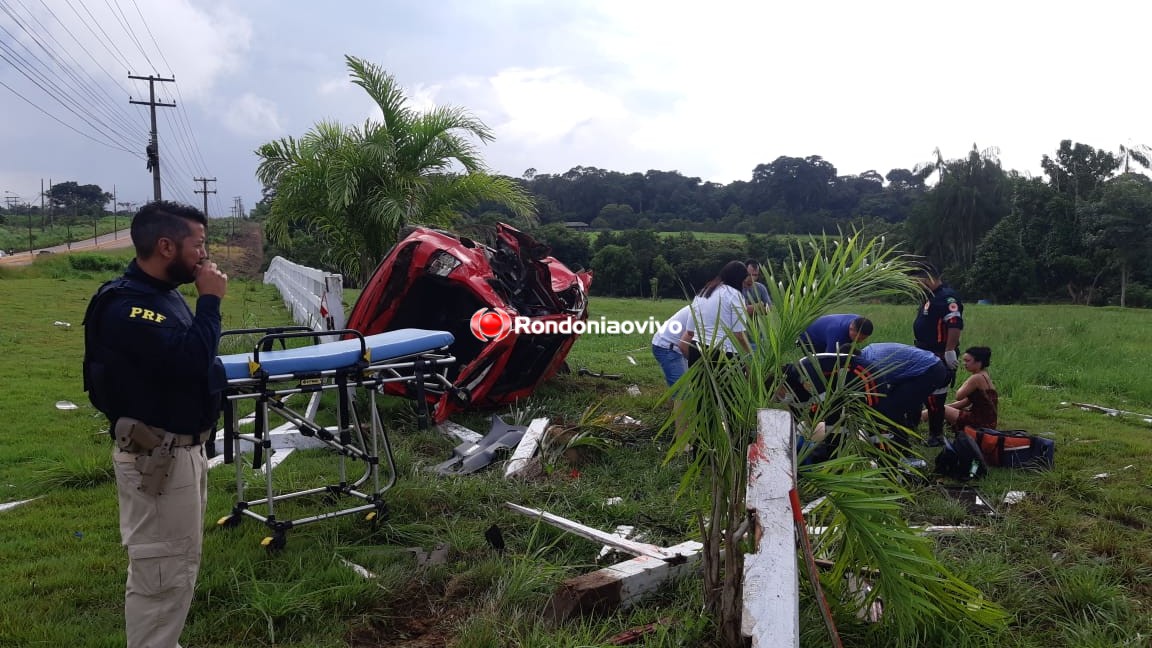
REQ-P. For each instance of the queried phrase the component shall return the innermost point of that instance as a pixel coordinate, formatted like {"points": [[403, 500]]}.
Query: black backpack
{"points": [[97, 381], [961, 459]]}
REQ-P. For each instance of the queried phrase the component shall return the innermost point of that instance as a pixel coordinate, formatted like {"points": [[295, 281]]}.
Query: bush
{"points": [[95, 263]]}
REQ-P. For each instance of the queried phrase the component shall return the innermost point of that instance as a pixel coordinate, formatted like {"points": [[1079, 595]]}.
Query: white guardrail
{"points": [[314, 297]]}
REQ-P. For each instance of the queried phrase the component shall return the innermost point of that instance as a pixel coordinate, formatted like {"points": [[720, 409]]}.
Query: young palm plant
{"points": [[356, 187], [862, 487]]}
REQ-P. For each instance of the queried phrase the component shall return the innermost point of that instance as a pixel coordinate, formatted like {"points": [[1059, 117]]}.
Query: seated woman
{"points": [[977, 402]]}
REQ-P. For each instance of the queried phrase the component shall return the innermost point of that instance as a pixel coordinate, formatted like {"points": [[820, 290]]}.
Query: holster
{"points": [[153, 447]]}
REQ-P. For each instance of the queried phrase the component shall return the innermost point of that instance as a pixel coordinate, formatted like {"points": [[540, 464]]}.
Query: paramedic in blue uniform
{"points": [[937, 328], [828, 333], [910, 376], [151, 364]]}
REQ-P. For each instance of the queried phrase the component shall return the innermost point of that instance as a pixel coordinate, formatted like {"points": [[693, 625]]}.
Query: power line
{"points": [[110, 143], [128, 29], [84, 49], [107, 39], [110, 108]]}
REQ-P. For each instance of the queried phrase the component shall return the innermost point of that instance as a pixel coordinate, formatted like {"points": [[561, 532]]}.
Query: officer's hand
{"points": [[950, 359], [209, 279]]}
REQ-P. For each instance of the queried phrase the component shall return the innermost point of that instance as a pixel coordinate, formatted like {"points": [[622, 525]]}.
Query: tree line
{"points": [[1080, 233]]}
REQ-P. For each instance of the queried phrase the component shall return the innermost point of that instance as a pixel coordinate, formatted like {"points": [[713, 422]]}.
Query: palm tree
{"points": [[355, 187], [1138, 153], [862, 487]]}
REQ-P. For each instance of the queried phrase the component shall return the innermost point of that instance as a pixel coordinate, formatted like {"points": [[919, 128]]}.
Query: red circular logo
{"points": [[491, 324]]}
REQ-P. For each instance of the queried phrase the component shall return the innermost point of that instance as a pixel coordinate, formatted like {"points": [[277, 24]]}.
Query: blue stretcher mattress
{"points": [[338, 355]]}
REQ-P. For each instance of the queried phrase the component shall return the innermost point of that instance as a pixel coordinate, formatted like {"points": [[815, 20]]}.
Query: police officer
{"points": [[937, 328], [151, 367]]}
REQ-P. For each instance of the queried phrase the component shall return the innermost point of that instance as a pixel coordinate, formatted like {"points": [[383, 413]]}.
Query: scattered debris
{"points": [[624, 531], [11, 505], [495, 538], [631, 359], [613, 501], [629, 546], [1089, 407], [65, 405], [60, 324], [584, 371], [976, 503], [437, 556], [1101, 476], [633, 390], [526, 449], [622, 584], [361, 571], [467, 457], [1128, 467], [459, 432], [635, 634], [859, 588], [624, 419], [1014, 497]]}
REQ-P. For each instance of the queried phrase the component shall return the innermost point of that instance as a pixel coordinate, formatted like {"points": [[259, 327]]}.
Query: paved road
{"points": [[115, 240]]}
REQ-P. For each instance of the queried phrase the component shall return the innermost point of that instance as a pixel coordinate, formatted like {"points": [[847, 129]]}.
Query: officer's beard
{"points": [[179, 272]]}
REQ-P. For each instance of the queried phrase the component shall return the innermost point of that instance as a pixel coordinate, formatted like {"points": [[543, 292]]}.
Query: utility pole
{"points": [[128, 205], [115, 208], [11, 199], [153, 148], [204, 190]]}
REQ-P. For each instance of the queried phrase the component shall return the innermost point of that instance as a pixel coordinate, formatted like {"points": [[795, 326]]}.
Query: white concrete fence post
{"points": [[771, 587]]}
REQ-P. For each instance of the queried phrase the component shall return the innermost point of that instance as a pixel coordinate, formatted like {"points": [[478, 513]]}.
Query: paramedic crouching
{"points": [[150, 366]]}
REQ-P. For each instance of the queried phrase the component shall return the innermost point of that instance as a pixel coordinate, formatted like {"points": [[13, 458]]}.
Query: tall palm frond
{"points": [[1141, 154], [356, 187]]}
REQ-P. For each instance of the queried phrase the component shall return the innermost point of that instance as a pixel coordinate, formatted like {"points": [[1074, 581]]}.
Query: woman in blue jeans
{"points": [[666, 350], [665, 345]]}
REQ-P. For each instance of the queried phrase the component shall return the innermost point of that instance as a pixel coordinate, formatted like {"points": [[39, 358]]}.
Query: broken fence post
{"points": [[526, 449], [771, 615], [622, 583], [459, 432]]}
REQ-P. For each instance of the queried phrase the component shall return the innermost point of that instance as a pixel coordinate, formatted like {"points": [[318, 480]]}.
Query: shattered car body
{"points": [[439, 281]]}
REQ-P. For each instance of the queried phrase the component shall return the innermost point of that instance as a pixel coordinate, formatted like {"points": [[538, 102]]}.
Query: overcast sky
{"points": [[710, 89]]}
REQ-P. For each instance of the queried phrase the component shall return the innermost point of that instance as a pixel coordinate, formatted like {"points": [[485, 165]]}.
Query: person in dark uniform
{"points": [[909, 376], [828, 333], [809, 379], [937, 328], [151, 367]]}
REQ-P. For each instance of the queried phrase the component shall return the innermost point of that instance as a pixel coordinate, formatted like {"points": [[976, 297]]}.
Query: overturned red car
{"points": [[507, 304]]}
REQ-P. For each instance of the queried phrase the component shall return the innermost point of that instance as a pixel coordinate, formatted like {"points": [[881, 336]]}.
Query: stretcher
{"points": [[354, 368]]}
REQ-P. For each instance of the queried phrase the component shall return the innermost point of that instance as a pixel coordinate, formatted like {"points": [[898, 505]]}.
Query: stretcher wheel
{"points": [[377, 516], [274, 542], [229, 521]]}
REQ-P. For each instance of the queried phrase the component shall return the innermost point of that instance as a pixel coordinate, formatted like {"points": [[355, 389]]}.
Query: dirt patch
{"points": [[409, 621], [242, 255]]}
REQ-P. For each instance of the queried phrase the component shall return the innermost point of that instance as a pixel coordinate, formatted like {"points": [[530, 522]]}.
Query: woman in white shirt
{"points": [[717, 321]]}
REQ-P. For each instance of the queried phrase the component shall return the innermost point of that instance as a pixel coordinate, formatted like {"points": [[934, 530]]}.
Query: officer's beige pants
{"points": [[163, 535]]}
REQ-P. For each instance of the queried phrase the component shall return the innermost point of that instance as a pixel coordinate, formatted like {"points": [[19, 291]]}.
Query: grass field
{"points": [[1072, 562]]}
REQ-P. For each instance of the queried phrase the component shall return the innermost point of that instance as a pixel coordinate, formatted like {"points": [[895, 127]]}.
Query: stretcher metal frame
{"points": [[425, 371]]}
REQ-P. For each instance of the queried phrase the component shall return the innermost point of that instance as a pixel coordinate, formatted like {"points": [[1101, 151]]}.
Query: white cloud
{"points": [[253, 116], [547, 105]]}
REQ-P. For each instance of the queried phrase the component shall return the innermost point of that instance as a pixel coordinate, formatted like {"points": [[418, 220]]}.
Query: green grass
{"points": [[1072, 563], [14, 234]]}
